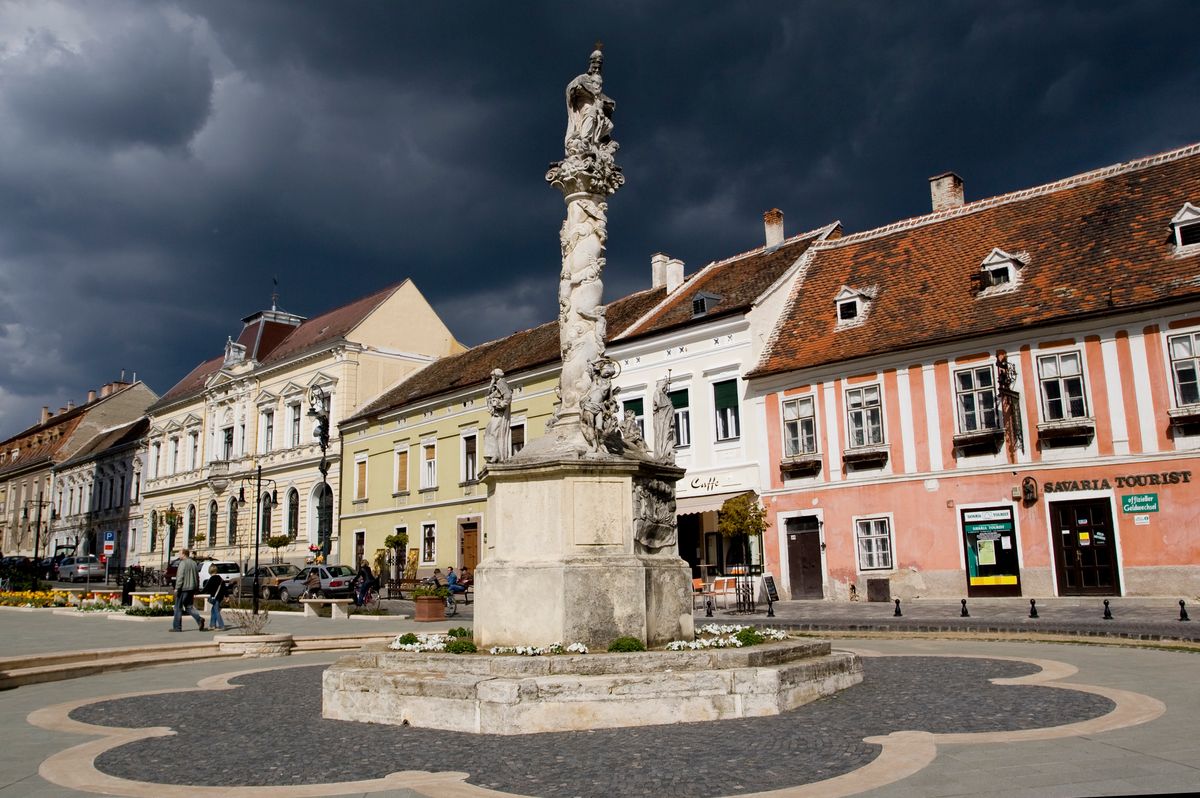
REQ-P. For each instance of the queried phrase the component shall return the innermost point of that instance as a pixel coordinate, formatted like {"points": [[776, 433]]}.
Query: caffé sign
{"points": [[1126, 481]]}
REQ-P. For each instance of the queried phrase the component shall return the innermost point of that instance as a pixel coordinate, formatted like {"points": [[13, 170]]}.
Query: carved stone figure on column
{"points": [[496, 440], [598, 407], [654, 514], [664, 423]]}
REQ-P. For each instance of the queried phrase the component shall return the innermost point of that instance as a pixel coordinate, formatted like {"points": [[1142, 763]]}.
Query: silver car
{"points": [[83, 566], [335, 582]]}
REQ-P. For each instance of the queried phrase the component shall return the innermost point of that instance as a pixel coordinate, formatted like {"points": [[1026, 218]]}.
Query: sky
{"points": [[162, 163]]}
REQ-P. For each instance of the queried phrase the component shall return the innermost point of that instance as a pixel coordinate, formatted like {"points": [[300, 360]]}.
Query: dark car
{"points": [[269, 578], [48, 567], [335, 582]]}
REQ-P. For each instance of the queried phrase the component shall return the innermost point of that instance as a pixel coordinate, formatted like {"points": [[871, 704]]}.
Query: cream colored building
{"points": [[249, 408]]}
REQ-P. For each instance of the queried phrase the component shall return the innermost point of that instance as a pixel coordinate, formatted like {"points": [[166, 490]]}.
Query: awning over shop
{"points": [[710, 502]]}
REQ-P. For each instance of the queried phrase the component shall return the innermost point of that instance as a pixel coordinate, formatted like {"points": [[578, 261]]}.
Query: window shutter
{"points": [[679, 399], [725, 394]]}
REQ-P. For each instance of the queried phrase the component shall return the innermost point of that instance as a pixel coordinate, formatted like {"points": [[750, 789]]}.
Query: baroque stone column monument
{"points": [[581, 542]]}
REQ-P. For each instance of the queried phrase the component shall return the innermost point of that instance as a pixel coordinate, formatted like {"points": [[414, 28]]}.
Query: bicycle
{"points": [[451, 605]]}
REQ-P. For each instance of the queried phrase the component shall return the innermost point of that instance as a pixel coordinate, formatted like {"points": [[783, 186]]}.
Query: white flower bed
{"points": [[539, 651], [714, 635], [425, 642]]}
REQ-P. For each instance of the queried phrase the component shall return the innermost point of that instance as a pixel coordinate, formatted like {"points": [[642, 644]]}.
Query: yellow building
{"points": [[413, 455], [249, 408]]}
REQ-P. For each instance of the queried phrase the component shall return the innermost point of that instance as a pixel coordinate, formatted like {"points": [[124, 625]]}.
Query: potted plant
{"points": [[430, 602], [397, 543], [277, 542]]}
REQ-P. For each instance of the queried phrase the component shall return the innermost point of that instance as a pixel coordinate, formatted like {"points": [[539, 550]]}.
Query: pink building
{"points": [[998, 398]]}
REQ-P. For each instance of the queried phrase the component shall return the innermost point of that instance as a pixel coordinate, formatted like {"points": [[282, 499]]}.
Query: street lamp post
{"points": [[170, 517], [39, 503], [318, 409], [258, 511]]}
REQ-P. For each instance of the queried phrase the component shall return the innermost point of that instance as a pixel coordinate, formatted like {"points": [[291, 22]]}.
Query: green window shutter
{"points": [[725, 394], [634, 407], [679, 399]]}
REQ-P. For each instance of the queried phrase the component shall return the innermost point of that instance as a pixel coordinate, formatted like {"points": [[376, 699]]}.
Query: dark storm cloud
{"points": [[160, 163]]}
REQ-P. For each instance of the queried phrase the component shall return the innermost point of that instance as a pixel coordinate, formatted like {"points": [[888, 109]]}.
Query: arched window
{"points": [[153, 530], [320, 517], [264, 529], [212, 523], [231, 536], [191, 526], [293, 513]]}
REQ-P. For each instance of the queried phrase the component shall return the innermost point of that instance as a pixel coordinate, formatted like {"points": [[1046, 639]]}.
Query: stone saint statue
{"points": [[496, 441], [598, 408], [664, 423], [589, 110]]}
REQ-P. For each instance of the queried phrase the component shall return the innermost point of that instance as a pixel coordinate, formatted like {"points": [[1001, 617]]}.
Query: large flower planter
{"points": [[430, 608], [255, 645]]}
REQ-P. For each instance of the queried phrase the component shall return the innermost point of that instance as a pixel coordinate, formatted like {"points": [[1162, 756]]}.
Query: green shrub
{"points": [[407, 639], [749, 636], [626, 644], [151, 612], [430, 590], [460, 646], [459, 631]]}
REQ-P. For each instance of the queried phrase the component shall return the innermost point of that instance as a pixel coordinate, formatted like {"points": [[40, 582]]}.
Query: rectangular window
{"points": [[1185, 364], [637, 409], [1062, 386], [227, 443], [121, 493], [268, 440], [137, 487], [428, 543], [864, 412], [725, 400], [516, 436], [683, 418], [975, 399], [173, 456], [360, 477], [799, 427], [193, 450], [155, 458], [241, 439], [470, 459], [874, 544], [402, 470], [428, 466], [295, 424]]}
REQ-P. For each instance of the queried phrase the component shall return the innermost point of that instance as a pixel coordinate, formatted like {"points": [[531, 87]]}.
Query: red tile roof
{"points": [[520, 351], [738, 281], [1094, 244]]}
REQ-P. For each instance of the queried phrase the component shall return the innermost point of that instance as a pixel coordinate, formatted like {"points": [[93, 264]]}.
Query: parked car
{"points": [[229, 571], [269, 579], [48, 567], [335, 582], [83, 566]]}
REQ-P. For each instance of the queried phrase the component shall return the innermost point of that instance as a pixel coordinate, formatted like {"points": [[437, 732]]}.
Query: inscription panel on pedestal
{"points": [[598, 512]]}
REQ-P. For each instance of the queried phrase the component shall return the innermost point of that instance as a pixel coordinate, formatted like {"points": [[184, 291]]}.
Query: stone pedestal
{"points": [[562, 563]]}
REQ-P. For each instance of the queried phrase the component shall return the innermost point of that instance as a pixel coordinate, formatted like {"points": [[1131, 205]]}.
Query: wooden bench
{"points": [[139, 599], [466, 597], [396, 587], [340, 608]]}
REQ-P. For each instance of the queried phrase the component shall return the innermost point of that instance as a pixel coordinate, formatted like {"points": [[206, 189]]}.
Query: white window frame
{"points": [[1188, 216], [295, 424], [724, 424], [854, 302], [1043, 381], [468, 462], [796, 402], [227, 450], [889, 534], [1193, 338], [428, 526], [429, 466], [681, 419], [361, 485], [975, 392], [267, 421], [513, 446], [193, 450], [173, 455], [867, 441], [155, 458], [401, 449]]}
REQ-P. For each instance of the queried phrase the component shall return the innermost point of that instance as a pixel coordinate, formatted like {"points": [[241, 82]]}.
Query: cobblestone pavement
{"points": [[939, 695]]}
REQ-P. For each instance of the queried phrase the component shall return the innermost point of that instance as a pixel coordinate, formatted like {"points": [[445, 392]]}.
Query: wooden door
{"points": [[469, 538], [1085, 548], [804, 557]]}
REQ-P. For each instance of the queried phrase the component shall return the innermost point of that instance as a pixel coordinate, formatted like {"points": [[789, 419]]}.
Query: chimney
{"points": [[773, 223], [70, 405], [674, 274], [45, 414], [658, 269], [91, 396], [105, 389], [946, 191], [62, 410]]}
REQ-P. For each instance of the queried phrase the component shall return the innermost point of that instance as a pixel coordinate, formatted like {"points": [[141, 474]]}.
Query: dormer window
{"points": [[852, 305], [234, 352], [703, 302], [1186, 226], [1000, 271]]}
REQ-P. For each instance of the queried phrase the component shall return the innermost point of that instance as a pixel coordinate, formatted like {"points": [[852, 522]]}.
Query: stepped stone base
{"points": [[522, 695], [251, 646]]}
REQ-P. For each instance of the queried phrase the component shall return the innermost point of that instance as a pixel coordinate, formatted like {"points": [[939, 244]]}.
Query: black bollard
{"points": [[964, 613], [708, 605], [770, 608], [1033, 608], [1107, 611], [897, 613], [1183, 616]]}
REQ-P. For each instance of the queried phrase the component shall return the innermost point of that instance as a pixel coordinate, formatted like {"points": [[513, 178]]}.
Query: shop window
{"points": [[864, 414], [428, 544], [683, 418], [874, 544], [1061, 376], [799, 427], [975, 400], [725, 400]]}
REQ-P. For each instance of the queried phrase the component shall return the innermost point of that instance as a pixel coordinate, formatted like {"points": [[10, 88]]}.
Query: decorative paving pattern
{"points": [[269, 732]]}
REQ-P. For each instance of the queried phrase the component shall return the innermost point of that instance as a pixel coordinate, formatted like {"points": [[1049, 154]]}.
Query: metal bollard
{"points": [[897, 613], [1033, 608], [708, 607], [1183, 616], [964, 613], [1107, 611]]}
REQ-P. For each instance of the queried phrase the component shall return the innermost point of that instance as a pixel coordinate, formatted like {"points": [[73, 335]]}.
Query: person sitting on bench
{"points": [[452, 581]]}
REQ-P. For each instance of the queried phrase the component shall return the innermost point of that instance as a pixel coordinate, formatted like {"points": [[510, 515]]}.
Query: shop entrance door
{"points": [[804, 557], [469, 535], [990, 545], [1085, 548]]}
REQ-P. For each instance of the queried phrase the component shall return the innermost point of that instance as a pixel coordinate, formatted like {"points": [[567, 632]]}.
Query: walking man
{"points": [[187, 580]]}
